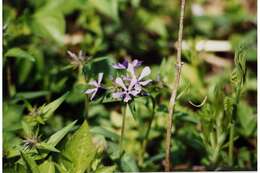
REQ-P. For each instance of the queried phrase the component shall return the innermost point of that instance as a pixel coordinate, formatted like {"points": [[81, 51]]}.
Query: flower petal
{"points": [[120, 82], [118, 95], [93, 83], [93, 95], [143, 83], [125, 63], [138, 87], [100, 77], [89, 91], [136, 63], [127, 98], [134, 92], [119, 66], [146, 71], [132, 83], [131, 69]]}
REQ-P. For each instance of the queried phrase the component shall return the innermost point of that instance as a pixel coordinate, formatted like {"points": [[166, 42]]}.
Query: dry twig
{"points": [[174, 91]]}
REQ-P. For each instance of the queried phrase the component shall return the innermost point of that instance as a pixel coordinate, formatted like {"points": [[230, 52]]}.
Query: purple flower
{"points": [[127, 91], [140, 79], [125, 64], [97, 86]]}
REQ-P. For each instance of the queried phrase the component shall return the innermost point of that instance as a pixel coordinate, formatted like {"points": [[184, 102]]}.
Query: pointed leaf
{"points": [[80, 149], [106, 169], [47, 147], [47, 167], [59, 135], [30, 162], [107, 7], [19, 53], [50, 24], [106, 133], [49, 109], [128, 163]]}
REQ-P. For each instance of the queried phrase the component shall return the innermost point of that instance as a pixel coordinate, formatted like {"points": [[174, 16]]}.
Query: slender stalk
{"points": [[83, 79], [144, 142], [231, 145], [122, 130], [174, 91]]}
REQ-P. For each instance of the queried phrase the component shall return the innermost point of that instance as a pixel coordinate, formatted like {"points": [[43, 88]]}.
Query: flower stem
{"points": [[144, 142], [122, 130], [231, 144], [174, 91]]}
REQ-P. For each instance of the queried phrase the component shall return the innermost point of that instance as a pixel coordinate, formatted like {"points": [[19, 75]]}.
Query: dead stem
{"points": [[174, 90]]}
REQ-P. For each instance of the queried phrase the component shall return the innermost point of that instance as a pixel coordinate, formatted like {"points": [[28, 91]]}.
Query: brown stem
{"points": [[174, 90]]}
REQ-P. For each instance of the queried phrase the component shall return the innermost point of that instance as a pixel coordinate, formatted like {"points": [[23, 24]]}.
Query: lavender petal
{"points": [[118, 66], [137, 63], [143, 83], [132, 83], [134, 92], [93, 83], [93, 95], [100, 77], [89, 91], [120, 82], [146, 71], [118, 95], [131, 70]]}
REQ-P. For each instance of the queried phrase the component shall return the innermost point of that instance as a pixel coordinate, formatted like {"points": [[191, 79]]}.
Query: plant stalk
{"points": [[145, 140], [11, 87], [122, 130], [174, 90], [231, 145]]}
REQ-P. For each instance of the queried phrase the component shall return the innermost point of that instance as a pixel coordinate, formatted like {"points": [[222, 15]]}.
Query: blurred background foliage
{"points": [[37, 70]]}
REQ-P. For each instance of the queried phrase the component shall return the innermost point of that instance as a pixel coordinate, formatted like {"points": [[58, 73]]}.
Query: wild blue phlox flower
{"points": [[97, 86]]}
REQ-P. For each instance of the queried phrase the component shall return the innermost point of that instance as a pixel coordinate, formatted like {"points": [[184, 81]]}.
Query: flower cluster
{"points": [[128, 86]]}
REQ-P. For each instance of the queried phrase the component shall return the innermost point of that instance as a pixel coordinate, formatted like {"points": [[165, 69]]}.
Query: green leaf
{"points": [[49, 109], [132, 108], [24, 69], [64, 6], [61, 168], [246, 119], [19, 53], [47, 147], [50, 24], [47, 167], [157, 25], [29, 95], [106, 169], [30, 162], [128, 163], [106, 133], [107, 7], [59, 135], [80, 150]]}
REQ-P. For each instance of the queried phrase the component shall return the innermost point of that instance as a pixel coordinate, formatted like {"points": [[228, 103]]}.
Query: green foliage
{"points": [[80, 150], [50, 125], [19, 53]]}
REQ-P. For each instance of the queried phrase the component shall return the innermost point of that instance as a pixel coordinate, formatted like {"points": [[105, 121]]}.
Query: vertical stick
{"points": [[122, 130], [174, 91]]}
